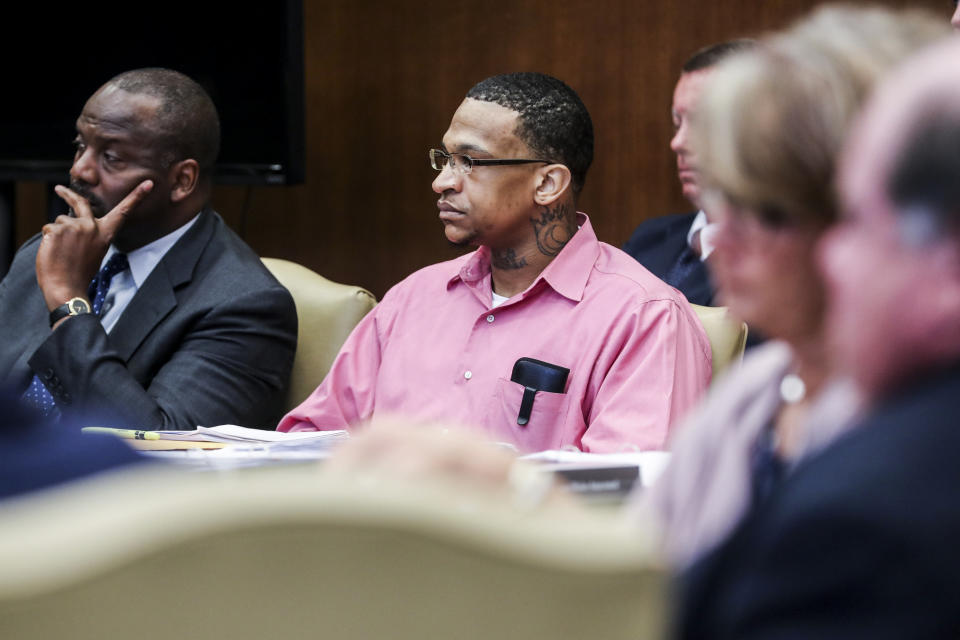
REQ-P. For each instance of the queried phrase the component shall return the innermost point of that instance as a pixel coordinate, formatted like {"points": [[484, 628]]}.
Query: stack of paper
{"points": [[236, 447], [232, 434], [226, 435]]}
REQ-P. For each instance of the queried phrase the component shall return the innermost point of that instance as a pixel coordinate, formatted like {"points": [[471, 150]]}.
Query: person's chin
{"points": [[843, 336], [461, 242], [457, 236], [692, 193], [743, 307]]}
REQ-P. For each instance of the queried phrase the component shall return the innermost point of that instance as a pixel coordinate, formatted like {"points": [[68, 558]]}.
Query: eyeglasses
{"points": [[464, 164]]}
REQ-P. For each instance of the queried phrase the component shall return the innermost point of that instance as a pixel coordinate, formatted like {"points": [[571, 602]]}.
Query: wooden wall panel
{"points": [[383, 79]]}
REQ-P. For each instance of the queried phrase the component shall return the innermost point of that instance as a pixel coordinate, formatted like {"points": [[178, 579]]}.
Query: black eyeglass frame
{"points": [[477, 162]]}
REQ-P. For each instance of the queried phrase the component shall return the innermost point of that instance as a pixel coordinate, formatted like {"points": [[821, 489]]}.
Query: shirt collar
{"points": [[143, 260], [699, 222], [567, 274], [708, 231]]}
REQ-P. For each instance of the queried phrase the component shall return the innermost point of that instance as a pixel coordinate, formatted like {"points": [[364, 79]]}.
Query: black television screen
{"points": [[248, 56]]}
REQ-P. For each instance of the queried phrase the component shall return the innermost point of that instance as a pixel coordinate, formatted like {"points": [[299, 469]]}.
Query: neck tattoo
{"points": [[507, 259], [553, 229]]}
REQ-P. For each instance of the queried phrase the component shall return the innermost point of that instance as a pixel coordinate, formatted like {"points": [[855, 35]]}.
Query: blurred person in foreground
{"points": [[544, 337], [37, 453], [860, 540], [768, 132]]}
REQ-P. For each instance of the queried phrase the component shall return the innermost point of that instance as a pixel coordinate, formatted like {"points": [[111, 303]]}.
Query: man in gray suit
{"points": [[142, 309]]}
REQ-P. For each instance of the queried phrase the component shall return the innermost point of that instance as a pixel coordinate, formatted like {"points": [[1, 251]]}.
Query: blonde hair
{"points": [[773, 119]]}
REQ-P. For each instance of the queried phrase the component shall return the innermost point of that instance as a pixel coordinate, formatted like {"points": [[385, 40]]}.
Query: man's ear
{"points": [[553, 182], [184, 179]]}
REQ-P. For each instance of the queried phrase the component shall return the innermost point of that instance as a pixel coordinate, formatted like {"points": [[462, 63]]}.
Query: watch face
{"points": [[78, 305]]}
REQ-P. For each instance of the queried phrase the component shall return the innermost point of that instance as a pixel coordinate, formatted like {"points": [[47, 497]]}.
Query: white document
{"points": [[235, 434]]}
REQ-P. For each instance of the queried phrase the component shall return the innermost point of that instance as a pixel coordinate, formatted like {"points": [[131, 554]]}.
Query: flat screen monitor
{"points": [[248, 56]]}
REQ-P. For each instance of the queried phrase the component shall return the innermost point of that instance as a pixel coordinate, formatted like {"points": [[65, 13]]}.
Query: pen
{"points": [[131, 434]]}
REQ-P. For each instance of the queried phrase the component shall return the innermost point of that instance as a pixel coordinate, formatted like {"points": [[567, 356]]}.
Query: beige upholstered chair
{"points": [[727, 336], [281, 552], [327, 312]]}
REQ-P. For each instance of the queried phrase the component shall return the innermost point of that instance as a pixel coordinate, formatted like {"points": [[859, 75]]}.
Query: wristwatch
{"points": [[72, 307]]}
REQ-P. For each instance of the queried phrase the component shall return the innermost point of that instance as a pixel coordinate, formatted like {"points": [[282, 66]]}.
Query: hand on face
{"points": [[72, 248]]}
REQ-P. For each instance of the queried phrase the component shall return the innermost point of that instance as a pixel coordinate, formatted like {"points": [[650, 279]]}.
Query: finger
{"points": [[76, 202], [57, 227], [111, 223]]}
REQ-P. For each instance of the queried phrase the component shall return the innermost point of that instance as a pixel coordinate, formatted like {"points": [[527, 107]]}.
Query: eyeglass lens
{"points": [[458, 162]]}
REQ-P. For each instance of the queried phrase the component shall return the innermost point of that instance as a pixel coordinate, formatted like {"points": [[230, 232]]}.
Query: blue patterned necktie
{"points": [[682, 268], [37, 395], [97, 291]]}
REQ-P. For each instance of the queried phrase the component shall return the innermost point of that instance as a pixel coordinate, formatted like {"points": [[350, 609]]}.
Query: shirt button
{"points": [[468, 374], [490, 318]]}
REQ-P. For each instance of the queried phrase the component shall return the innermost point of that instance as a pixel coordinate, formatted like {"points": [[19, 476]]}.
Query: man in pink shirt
{"points": [[613, 355]]}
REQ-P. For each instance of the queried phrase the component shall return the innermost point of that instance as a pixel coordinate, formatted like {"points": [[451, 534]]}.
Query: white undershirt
{"points": [[142, 261]]}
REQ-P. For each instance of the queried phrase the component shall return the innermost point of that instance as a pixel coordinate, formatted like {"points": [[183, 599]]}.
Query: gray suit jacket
{"points": [[208, 339]]}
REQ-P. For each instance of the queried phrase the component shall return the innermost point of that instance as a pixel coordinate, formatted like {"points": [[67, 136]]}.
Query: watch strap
{"points": [[72, 307]]}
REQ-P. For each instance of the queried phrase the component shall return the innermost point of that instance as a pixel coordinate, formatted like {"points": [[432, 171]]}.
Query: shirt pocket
{"points": [[545, 429]]}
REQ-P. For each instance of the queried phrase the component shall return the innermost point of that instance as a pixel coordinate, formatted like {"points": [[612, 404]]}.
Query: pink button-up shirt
{"points": [[435, 350]]}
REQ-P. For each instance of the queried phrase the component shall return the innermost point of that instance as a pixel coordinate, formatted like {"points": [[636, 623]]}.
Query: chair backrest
{"points": [[286, 553], [727, 336], [327, 312]]}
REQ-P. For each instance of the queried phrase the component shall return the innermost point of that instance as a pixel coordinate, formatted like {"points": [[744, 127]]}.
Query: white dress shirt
{"points": [[707, 231], [142, 261]]}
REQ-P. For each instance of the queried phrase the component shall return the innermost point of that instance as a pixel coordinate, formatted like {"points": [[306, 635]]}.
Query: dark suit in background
{"points": [[859, 541], [208, 339], [659, 244]]}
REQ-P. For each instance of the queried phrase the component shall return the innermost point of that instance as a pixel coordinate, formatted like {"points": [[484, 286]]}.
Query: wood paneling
{"points": [[383, 79]]}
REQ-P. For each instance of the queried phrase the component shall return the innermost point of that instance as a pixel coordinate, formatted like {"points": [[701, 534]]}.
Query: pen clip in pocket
{"points": [[536, 375]]}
